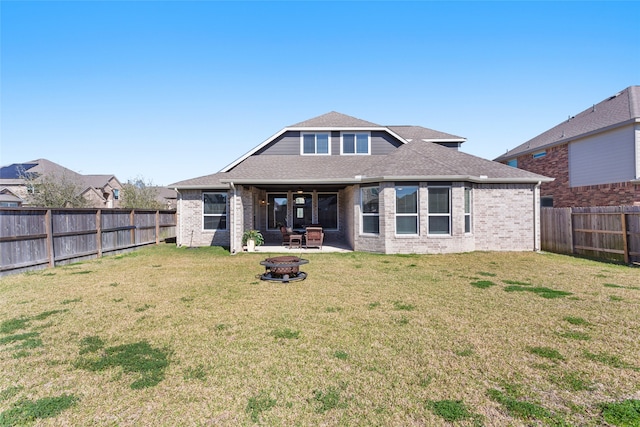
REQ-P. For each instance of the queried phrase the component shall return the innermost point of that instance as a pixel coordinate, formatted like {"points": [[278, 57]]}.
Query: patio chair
{"points": [[314, 237], [285, 235]]}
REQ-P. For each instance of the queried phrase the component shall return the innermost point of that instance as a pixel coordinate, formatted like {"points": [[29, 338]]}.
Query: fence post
{"points": [[99, 232], [625, 241], [157, 227], [132, 223], [48, 220]]}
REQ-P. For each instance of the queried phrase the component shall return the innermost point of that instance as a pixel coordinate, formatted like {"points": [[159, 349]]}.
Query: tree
{"points": [[138, 194], [54, 190]]}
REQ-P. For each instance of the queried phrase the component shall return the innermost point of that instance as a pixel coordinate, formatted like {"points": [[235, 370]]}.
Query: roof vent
{"points": [[614, 96], [593, 110]]}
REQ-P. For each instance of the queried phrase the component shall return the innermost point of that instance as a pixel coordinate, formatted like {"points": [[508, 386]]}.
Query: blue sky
{"points": [[174, 90]]}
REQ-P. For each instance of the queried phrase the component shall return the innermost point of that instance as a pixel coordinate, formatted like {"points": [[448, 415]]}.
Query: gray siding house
{"points": [[385, 189], [594, 156]]}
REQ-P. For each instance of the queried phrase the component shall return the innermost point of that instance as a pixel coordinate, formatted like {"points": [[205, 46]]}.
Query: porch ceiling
{"points": [[306, 188]]}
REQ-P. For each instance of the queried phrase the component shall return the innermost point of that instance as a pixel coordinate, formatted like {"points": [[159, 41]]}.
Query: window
{"points": [[407, 209], [439, 210], [315, 143], [116, 194], [546, 201], [467, 209], [302, 210], [215, 211], [328, 211], [513, 163], [539, 154], [369, 197], [277, 215], [355, 143]]}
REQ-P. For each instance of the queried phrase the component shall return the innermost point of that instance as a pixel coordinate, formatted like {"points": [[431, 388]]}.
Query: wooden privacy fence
{"points": [[32, 238], [609, 232]]}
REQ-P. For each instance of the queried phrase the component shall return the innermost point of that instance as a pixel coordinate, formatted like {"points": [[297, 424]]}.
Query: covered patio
{"points": [[295, 207], [277, 248]]}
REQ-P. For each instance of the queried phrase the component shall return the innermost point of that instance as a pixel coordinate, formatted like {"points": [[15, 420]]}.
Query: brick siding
{"points": [[505, 217], [556, 165]]}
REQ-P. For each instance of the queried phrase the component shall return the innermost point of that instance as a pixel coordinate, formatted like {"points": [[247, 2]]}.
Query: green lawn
{"points": [[175, 336]]}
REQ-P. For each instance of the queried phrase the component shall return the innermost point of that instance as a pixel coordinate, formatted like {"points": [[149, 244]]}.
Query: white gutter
{"points": [[232, 234], [536, 217], [179, 211], [482, 179]]}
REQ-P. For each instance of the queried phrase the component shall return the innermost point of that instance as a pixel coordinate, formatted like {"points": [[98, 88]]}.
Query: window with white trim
{"points": [[513, 163], [315, 143], [355, 143], [407, 209], [467, 209], [439, 210], [214, 211], [369, 206]]}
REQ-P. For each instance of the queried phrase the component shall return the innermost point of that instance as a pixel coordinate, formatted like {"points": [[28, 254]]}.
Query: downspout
{"points": [[536, 217], [232, 243], [179, 213]]}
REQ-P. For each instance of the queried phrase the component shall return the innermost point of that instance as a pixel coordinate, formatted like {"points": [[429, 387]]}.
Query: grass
{"points": [[544, 292], [26, 411], [519, 408], [624, 414], [450, 410], [546, 352], [376, 344], [483, 284]]}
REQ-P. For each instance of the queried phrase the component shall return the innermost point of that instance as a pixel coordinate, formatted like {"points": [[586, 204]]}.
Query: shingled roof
{"points": [[416, 160], [335, 120], [617, 110]]}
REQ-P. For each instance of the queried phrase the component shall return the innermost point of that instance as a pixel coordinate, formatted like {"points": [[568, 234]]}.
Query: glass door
{"points": [[302, 210]]}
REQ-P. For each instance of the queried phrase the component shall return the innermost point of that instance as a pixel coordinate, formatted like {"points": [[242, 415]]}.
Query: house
{"points": [[167, 198], [101, 191], [9, 200], [386, 189], [594, 156]]}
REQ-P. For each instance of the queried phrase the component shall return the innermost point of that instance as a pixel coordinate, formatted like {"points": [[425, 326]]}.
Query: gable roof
{"points": [[99, 181], [334, 121], [617, 110], [7, 195], [13, 173]]}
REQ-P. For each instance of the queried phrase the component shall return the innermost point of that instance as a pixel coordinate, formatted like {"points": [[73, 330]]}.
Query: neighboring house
{"points": [[167, 197], [102, 191], [387, 189], [8, 199], [594, 156]]}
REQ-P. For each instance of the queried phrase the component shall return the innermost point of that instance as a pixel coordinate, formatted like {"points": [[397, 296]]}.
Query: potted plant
{"points": [[252, 238]]}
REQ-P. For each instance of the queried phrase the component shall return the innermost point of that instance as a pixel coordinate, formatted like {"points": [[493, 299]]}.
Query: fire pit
{"points": [[283, 269]]}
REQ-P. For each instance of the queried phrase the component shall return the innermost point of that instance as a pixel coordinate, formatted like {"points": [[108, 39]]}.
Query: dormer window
{"points": [[355, 143], [315, 143]]}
